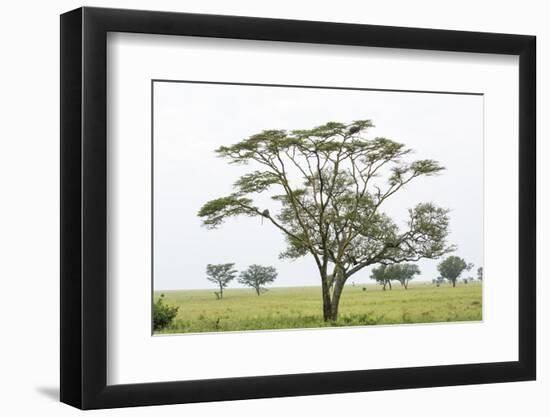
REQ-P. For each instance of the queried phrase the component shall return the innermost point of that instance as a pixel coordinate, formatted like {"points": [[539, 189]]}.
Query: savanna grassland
{"points": [[301, 307]]}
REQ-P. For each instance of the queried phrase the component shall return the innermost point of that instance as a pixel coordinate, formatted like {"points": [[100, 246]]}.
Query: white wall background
{"points": [[29, 237]]}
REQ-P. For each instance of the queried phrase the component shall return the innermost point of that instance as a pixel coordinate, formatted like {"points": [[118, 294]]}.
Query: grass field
{"points": [[301, 307]]}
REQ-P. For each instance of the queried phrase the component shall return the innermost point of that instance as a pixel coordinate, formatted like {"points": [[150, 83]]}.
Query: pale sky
{"points": [[192, 120]]}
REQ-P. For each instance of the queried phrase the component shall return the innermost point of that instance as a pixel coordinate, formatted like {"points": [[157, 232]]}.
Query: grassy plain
{"points": [[301, 307]]}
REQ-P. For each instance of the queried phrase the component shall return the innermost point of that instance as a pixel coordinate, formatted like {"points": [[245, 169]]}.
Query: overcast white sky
{"points": [[192, 120]]}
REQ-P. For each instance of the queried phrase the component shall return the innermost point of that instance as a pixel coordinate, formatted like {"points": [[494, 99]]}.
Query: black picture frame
{"points": [[84, 208]]}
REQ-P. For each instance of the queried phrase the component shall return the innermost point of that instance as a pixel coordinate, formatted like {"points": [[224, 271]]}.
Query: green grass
{"points": [[301, 307]]}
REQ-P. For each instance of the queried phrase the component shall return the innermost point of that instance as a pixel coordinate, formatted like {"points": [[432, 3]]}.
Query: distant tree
{"points": [[480, 273], [163, 314], [256, 276], [329, 186], [438, 281], [403, 273], [220, 274], [381, 276], [451, 268]]}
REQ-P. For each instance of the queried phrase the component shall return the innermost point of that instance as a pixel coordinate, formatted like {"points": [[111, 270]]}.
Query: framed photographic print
{"points": [[335, 207]]}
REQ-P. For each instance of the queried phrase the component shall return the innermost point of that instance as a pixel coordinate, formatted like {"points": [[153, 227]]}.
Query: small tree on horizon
{"points": [[256, 276], [381, 276], [403, 273], [220, 274], [438, 281], [451, 268], [480, 273]]}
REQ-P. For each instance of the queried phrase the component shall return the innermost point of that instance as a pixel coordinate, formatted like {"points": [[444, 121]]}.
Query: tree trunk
{"points": [[336, 293], [406, 284], [221, 292], [258, 290], [327, 306], [389, 283], [331, 302], [454, 283]]}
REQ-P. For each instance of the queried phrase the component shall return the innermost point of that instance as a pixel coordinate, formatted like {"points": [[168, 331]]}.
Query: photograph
{"points": [[279, 207], [263, 209]]}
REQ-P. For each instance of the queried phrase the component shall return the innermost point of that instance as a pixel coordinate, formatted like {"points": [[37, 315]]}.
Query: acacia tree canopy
{"points": [[257, 276], [451, 268], [329, 184], [381, 276], [403, 273], [221, 274]]}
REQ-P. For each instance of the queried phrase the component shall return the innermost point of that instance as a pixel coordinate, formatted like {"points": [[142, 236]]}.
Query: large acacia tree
{"points": [[330, 183]]}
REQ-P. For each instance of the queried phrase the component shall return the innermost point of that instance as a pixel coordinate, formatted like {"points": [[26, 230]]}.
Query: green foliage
{"points": [[256, 182], [380, 275], [163, 314], [257, 276], [300, 307], [328, 185], [451, 268], [480, 273], [403, 273], [221, 275], [215, 211], [333, 211]]}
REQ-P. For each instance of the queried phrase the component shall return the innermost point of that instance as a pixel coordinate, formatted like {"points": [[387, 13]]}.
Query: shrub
{"points": [[163, 314]]}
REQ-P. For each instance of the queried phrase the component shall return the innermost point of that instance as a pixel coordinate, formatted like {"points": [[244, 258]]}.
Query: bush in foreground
{"points": [[163, 314]]}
